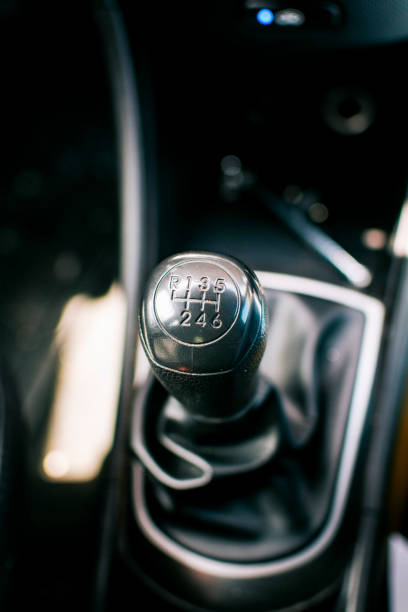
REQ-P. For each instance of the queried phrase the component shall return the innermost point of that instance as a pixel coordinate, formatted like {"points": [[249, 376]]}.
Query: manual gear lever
{"points": [[203, 327], [238, 465], [202, 324]]}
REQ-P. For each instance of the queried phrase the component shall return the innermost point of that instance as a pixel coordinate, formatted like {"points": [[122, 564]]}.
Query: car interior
{"points": [[204, 331]]}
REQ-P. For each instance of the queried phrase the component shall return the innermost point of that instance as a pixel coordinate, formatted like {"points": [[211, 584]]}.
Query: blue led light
{"points": [[265, 17]]}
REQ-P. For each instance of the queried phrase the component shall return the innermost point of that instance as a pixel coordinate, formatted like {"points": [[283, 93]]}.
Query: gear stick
{"points": [[235, 465], [202, 325], [203, 328]]}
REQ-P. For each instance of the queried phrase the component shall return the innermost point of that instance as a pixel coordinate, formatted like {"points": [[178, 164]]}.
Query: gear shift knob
{"points": [[202, 324]]}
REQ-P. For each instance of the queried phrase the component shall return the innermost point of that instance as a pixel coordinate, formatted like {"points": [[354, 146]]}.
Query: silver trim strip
{"points": [[140, 448], [373, 310], [357, 274], [132, 199], [400, 241]]}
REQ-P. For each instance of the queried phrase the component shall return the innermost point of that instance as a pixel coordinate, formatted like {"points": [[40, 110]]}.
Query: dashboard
{"points": [[271, 132]]}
